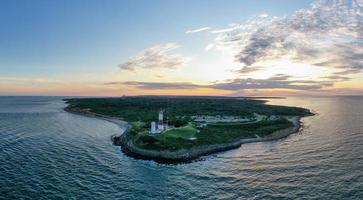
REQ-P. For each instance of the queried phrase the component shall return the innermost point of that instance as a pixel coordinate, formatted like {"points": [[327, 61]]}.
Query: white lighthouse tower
{"points": [[161, 126], [161, 121]]}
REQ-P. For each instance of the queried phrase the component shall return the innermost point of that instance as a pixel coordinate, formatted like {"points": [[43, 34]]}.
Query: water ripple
{"points": [[47, 153]]}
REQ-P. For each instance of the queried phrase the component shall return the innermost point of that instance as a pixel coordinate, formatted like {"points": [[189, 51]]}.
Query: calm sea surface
{"points": [[46, 153]]}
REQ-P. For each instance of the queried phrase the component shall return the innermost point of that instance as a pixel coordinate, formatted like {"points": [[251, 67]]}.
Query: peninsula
{"points": [[180, 129]]}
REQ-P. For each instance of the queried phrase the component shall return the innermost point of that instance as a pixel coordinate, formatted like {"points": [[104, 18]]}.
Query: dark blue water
{"points": [[46, 153]]}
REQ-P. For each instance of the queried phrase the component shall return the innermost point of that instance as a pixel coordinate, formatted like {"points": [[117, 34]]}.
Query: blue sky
{"points": [[50, 38], [49, 44]]}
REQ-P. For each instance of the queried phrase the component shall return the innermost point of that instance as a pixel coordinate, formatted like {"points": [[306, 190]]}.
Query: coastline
{"points": [[188, 155], [184, 155], [122, 124]]}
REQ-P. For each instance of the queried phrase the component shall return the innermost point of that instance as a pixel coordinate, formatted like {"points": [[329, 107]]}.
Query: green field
{"points": [[212, 134], [183, 132]]}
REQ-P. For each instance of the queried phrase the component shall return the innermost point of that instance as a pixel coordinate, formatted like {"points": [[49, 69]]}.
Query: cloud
{"points": [[337, 78], [279, 81], [209, 47], [158, 85], [328, 34], [160, 56], [197, 30], [264, 15], [226, 30], [247, 70], [347, 72]]}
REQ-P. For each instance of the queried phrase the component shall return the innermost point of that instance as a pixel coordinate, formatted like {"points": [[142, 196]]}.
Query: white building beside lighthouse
{"points": [[153, 128], [161, 126]]}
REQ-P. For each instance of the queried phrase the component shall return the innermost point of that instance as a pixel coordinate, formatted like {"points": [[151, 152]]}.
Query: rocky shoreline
{"points": [[188, 155], [183, 155]]}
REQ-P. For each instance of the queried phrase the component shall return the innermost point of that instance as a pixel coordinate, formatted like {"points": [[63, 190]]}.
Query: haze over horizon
{"points": [[229, 48]]}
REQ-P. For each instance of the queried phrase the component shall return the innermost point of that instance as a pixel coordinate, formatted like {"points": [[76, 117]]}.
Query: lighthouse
{"points": [[160, 126], [161, 121]]}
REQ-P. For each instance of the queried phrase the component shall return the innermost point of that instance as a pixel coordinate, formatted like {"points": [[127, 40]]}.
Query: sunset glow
{"points": [[290, 48]]}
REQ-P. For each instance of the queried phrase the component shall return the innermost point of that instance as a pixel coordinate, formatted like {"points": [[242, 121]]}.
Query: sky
{"points": [[181, 47]]}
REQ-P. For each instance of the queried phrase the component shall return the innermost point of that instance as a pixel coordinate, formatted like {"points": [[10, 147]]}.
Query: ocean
{"points": [[47, 153]]}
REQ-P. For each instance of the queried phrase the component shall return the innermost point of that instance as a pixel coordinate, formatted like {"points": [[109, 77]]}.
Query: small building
{"points": [[153, 128]]}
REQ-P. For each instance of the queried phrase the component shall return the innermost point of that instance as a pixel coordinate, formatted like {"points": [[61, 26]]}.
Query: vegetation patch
{"points": [[185, 132], [224, 119]]}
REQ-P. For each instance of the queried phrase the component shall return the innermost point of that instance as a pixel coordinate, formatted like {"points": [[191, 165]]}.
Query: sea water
{"points": [[47, 153]]}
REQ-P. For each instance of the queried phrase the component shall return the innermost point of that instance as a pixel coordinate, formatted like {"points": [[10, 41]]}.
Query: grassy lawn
{"points": [[183, 132], [138, 124], [212, 134]]}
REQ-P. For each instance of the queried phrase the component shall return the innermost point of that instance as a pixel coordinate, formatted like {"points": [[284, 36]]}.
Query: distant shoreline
{"points": [[183, 155]]}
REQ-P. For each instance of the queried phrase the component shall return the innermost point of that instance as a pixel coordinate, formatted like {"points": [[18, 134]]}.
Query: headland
{"points": [[182, 129]]}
